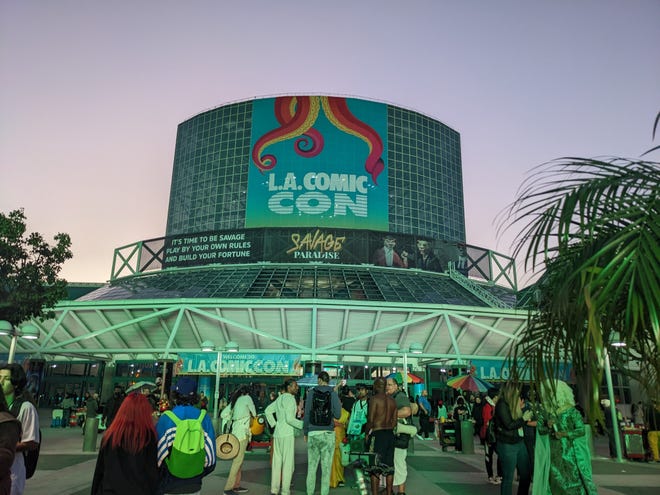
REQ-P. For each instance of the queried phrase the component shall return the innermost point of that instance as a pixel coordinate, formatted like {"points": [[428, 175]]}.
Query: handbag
{"points": [[402, 434], [491, 438], [402, 428], [401, 441]]}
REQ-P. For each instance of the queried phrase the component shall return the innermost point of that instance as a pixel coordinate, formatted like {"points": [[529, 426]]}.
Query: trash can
{"points": [[90, 434], [467, 437]]}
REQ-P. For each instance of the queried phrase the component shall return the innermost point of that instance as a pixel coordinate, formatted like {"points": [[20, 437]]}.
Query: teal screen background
{"points": [[342, 153]]}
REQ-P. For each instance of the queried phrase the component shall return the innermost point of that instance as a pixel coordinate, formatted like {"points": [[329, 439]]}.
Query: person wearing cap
{"points": [[184, 397], [387, 256], [404, 411], [359, 413]]}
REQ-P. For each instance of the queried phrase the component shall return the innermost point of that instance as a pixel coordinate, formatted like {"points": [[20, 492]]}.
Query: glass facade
{"points": [[312, 281], [209, 178], [212, 158], [425, 175]]}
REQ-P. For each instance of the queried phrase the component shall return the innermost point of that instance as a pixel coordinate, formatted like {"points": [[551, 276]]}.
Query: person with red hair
{"points": [[127, 461]]}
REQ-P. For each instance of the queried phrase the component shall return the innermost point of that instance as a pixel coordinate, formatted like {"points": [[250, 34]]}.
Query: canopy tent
{"points": [[469, 383], [412, 378]]}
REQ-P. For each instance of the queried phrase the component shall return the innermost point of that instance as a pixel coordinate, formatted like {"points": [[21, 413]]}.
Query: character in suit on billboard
{"points": [[425, 258], [387, 255]]}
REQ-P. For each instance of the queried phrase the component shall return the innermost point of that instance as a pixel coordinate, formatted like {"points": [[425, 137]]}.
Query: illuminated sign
{"points": [[316, 246], [209, 248], [237, 363], [301, 245], [318, 161], [496, 370]]}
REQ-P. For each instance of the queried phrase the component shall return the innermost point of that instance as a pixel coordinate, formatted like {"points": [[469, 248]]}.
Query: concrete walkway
{"points": [[65, 469]]}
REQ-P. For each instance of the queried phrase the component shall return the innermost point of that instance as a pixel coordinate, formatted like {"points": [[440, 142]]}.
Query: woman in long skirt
{"points": [[337, 471]]}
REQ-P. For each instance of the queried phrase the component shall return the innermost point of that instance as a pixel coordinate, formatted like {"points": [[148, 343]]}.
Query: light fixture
{"points": [[416, 348], [207, 346], [28, 332], [6, 328], [231, 346], [393, 348]]}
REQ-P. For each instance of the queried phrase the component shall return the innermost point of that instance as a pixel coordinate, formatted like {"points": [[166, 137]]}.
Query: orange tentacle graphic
{"points": [[341, 117], [296, 116]]}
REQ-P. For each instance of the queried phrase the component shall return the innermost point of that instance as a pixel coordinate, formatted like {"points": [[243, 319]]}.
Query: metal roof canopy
{"points": [[319, 330]]}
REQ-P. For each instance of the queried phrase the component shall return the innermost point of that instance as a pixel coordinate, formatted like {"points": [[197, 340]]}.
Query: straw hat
{"points": [[226, 446]]}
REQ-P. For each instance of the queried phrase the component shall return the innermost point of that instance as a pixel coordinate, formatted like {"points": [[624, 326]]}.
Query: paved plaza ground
{"points": [[64, 469]]}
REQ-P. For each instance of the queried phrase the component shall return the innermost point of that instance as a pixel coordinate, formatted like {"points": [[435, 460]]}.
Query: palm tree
{"points": [[594, 226]]}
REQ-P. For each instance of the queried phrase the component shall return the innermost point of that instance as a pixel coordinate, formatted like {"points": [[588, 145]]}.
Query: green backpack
{"points": [[186, 460]]}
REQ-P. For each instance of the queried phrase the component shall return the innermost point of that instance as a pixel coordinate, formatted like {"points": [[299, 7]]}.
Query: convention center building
{"points": [[303, 232]]}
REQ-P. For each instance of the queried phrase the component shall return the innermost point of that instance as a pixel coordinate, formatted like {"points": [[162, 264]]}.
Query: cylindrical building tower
{"points": [[317, 161]]}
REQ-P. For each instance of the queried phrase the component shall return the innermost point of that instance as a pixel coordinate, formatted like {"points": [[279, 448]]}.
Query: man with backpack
{"points": [[322, 407], [186, 442], [13, 381]]}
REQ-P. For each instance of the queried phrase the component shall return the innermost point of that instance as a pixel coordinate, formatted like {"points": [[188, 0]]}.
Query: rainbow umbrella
{"points": [[469, 383], [398, 376]]}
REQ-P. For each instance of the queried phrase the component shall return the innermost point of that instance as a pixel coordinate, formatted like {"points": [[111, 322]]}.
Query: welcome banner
{"points": [[237, 363]]}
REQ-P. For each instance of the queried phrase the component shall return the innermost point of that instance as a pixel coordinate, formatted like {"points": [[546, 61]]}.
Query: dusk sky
{"points": [[91, 93]]}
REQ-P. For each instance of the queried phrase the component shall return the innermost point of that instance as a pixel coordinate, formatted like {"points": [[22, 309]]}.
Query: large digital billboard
{"points": [[318, 161], [302, 245]]}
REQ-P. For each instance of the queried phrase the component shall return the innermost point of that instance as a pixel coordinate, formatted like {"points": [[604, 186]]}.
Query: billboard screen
{"points": [[303, 245], [318, 161]]}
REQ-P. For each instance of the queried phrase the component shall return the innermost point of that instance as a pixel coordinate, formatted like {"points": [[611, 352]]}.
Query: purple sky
{"points": [[91, 93]]}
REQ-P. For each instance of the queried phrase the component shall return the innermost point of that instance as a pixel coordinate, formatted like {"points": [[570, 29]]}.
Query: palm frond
{"points": [[594, 225]]}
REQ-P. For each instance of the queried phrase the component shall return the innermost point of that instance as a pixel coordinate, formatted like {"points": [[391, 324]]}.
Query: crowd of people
{"points": [[535, 436], [141, 453], [541, 442]]}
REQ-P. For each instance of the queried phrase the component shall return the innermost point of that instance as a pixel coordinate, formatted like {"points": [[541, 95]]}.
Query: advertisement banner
{"points": [[237, 363], [318, 161], [302, 245], [206, 248]]}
